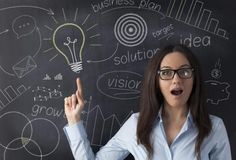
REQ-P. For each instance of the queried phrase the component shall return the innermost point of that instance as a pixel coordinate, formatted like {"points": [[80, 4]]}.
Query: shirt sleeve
{"points": [[115, 149], [222, 145], [79, 144]]}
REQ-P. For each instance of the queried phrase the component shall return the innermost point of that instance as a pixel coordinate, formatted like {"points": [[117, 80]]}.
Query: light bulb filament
{"points": [[72, 51]]}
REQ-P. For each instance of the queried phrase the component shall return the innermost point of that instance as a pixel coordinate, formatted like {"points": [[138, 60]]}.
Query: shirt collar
{"points": [[189, 118], [159, 117]]}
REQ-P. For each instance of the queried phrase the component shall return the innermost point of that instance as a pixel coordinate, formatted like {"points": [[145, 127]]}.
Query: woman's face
{"points": [[177, 90]]}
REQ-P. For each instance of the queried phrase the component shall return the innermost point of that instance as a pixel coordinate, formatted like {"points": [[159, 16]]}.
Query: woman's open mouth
{"points": [[176, 92]]}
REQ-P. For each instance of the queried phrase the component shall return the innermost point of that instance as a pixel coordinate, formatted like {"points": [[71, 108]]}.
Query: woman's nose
{"points": [[176, 78]]}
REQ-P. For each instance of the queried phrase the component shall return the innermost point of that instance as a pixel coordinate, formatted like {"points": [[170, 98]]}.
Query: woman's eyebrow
{"points": [[165, 67], [169, 67], [185, 65]]}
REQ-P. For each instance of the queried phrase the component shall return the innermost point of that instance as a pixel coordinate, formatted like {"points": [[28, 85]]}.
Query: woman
{"points": [[173, 123]]}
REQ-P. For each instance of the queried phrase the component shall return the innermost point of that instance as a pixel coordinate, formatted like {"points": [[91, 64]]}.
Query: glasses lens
{"points": [[166, 74], [185, 73]]}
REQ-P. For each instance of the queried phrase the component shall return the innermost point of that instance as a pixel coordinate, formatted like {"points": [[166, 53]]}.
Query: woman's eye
{"points": [[166, 72]]}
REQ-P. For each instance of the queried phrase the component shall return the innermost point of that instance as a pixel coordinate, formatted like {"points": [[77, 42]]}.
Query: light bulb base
{"points": [[76, 67]]}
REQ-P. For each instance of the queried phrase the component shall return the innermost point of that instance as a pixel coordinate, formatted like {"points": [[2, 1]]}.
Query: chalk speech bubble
{"points": [[23, 25]]}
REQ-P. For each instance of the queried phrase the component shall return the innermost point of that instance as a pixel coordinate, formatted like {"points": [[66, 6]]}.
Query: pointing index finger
{"points": [[79, 86]]}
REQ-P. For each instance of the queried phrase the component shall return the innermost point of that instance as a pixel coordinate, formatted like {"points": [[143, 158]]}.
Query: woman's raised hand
{"points": [[74, 105]]}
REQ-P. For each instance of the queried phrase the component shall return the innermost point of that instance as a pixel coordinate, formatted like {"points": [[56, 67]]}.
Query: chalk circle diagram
{"points": [[43, 129], [29, 136], [13, 129], [22, 153], [130, 29]]}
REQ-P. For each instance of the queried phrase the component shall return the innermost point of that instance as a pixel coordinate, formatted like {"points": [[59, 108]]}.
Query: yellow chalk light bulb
{"points": [[69, 40]]}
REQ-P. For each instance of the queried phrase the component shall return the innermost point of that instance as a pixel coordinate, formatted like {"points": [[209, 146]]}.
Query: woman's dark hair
{"points": [[152, 99]]}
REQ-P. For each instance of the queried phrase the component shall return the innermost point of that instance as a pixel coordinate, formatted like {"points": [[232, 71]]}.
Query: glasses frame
{"points": [[175, 71]]}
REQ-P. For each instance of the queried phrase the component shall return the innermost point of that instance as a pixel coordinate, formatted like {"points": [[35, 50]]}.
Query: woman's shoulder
{"points": [[133, 119], [135, 116], [131, 122], [129, 127], [216, 121]]}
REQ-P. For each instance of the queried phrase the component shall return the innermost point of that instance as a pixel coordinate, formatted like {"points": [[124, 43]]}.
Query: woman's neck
{"points": [[174, 113], [173, 120]]}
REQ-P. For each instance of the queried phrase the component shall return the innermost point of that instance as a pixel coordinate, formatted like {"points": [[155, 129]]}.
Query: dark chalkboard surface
{"points": [[45, 45]]}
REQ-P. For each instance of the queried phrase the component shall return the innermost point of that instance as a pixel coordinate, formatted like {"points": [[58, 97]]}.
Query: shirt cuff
{"points": [[75, 131]]}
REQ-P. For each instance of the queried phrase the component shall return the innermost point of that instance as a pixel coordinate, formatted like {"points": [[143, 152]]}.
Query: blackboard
{"points": [[45, 45]]}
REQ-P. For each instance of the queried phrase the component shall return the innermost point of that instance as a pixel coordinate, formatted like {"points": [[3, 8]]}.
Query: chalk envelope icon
{"points": [[24, 66], [69, 40]]}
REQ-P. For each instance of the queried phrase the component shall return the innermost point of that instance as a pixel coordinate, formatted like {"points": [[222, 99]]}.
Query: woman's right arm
{"points": [[77, 137], [75, 131]]}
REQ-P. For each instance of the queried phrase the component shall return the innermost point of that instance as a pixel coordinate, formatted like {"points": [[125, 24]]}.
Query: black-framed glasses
{"points": [[168, 74]]}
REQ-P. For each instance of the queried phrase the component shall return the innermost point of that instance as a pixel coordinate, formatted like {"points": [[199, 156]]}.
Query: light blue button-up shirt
{"points": [[215, 146]]}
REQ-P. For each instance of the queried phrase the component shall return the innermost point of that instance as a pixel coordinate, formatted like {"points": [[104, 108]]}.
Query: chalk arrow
{"points": [[49, 11], [4, 31]]}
